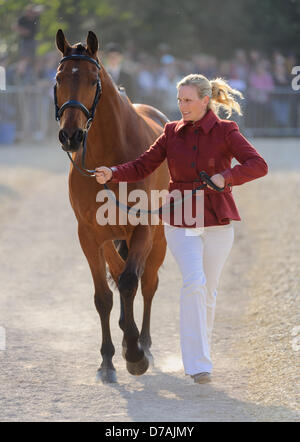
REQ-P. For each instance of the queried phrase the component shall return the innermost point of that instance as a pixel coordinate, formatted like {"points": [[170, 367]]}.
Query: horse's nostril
{"points": [[73, 142], [63, 137], [78, 135]]}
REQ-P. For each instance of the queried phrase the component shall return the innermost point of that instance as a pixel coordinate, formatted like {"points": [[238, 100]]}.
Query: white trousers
{"points": [[200, 254]]}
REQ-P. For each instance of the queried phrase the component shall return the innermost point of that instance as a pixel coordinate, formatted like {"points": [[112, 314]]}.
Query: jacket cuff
{"points": [[228, 177], [113, 177]]}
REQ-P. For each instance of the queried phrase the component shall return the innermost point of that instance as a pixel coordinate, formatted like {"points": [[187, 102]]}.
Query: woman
{"points": [[199, 141]]}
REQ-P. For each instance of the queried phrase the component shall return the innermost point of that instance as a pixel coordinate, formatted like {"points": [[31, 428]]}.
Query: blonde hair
{"points": [[218, 90]]}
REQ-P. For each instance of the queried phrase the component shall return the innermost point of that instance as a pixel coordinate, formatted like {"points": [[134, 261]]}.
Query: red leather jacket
{"points": [[210, 144]]}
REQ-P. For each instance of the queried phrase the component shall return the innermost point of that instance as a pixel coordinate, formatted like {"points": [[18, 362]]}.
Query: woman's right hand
{"points": [[103, 174]]}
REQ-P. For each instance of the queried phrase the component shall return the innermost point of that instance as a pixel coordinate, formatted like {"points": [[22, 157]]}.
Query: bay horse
{"points": [[87, 98]]}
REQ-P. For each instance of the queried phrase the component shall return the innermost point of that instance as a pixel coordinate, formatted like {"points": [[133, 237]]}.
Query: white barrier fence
{"points": [[276, 116], [27, 112]]}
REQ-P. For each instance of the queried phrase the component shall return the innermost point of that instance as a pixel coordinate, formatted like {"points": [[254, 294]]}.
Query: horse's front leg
{"points": [[149, 284], [103, 301], [140, 246]]}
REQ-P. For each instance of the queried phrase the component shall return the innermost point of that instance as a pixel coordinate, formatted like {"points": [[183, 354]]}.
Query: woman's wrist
{"points": [[113, 169], [228, 177]]}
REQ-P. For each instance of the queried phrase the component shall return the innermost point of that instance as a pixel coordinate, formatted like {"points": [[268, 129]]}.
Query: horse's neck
{"points": [[108, 133]]}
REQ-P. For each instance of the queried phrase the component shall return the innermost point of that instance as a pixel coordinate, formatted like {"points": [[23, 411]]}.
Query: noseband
{"points": [[76, 104]]}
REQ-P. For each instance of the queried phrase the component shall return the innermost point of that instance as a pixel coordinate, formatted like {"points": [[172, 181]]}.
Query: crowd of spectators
{"points": [[151, 79], [264, 81]]}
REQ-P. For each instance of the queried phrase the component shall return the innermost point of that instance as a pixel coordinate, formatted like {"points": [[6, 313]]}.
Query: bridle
{"points": [[76, 104], [90, 116]]}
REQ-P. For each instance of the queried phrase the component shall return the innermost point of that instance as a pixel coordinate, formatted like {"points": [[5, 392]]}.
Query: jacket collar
{"points": [[206, 123]]}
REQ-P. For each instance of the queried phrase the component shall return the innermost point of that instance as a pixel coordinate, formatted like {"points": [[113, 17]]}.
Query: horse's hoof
{"points": [[138, 368], [107, 375]]}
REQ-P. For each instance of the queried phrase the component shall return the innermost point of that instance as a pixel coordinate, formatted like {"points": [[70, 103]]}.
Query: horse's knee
{"points": [[149, 286], [128, 283], [103, 302]]}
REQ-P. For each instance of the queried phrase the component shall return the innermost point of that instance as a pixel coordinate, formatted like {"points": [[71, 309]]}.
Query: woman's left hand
{"points": [[218, 180]]}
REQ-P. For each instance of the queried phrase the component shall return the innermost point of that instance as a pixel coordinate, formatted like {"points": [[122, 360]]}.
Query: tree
{"points": [[216, 26]]}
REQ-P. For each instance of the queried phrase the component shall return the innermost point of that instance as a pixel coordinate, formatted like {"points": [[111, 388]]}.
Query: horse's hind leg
{"points": [[149, 283], [103, 302], [140, 246]]}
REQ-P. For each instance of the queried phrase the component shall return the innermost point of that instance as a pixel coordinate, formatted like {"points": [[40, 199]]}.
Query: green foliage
{"points": [[194, 26]]}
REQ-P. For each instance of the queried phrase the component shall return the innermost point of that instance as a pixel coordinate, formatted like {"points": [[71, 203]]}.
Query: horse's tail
{"points": [[122, 248]]}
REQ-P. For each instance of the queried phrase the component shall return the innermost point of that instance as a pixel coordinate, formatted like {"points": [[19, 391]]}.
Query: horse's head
{"points": [[77, 90]]}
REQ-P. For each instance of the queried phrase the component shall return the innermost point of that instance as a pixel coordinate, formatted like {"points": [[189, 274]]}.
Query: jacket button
{"points": [[193, 165], [195, 148], [196, 131]]}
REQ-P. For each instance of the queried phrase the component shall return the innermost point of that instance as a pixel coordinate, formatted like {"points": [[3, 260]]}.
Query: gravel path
{"points": [[48, 369]]}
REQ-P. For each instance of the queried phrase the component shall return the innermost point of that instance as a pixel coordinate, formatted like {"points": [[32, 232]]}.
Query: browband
{"points": [[80, 57]]}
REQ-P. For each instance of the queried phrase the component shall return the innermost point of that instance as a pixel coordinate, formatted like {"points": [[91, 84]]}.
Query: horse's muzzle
{"points": [[73, 143]]}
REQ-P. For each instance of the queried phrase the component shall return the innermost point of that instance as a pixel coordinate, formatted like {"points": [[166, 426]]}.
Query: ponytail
{"points": [[223, 96]]}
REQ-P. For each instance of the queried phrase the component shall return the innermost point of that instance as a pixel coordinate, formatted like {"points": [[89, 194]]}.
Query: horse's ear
{"points": [[61, 41], [92, 43]]}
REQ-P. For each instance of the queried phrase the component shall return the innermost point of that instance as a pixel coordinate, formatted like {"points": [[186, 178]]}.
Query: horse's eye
{"points": [[58, 80]]}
